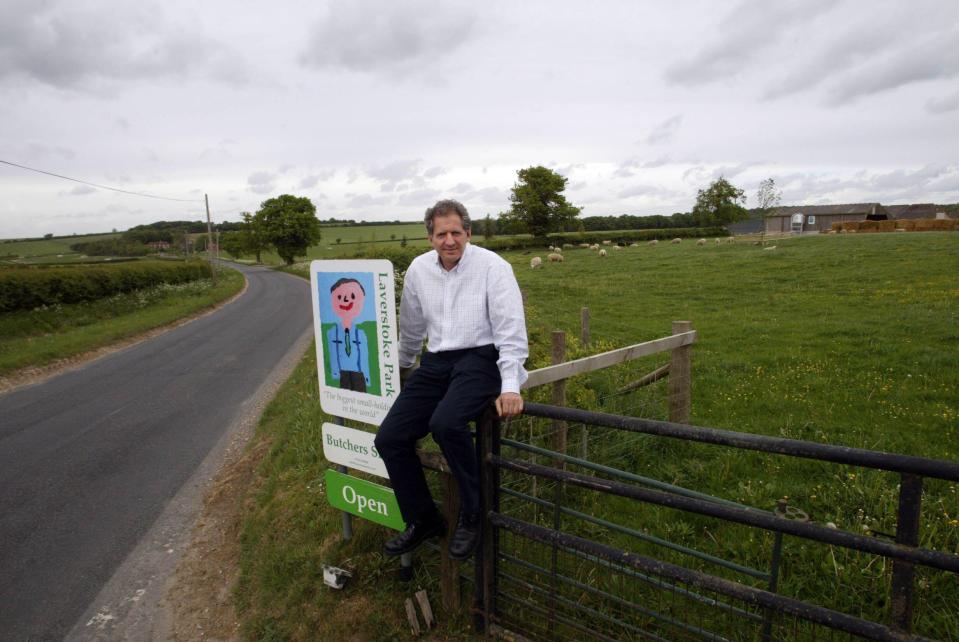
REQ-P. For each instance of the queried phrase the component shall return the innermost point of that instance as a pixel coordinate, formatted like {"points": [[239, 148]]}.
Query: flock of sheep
{"points": [[556, 253]]}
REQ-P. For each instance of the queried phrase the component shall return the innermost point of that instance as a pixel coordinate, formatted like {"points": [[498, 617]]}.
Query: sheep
{"points": [[676, 241], [558, 250], [536, 262], [555, 258], [718, 240], [634, 245], [602, 252], [594, 246], [730, 239], [585, 246], [567, 246], [617, 247], [654, 242], [701, 242], [607, 242], [771, 247]]}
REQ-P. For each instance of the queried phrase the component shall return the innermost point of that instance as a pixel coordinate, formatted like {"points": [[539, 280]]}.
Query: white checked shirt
{"points": [[476, 303]]}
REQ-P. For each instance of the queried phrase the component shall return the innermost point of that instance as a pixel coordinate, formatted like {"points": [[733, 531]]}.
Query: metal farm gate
{"points": [[565, 554]]}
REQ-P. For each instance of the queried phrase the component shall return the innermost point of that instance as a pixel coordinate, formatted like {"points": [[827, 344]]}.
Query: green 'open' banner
{"points": [[363, 499]]}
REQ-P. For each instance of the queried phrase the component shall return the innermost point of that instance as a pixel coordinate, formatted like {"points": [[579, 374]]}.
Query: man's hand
{"points": [[405, 373], [508, 405]]}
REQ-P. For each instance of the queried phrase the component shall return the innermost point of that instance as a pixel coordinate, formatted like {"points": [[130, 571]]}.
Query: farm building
{"points": [[819, 218], [918, 210]]}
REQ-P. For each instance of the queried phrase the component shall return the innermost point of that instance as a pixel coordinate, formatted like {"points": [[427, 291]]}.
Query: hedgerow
{"points": [[26, 288], [621, 237]]}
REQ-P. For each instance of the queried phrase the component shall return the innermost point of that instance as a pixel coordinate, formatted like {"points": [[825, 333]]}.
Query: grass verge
{"points": [[51, 333]]}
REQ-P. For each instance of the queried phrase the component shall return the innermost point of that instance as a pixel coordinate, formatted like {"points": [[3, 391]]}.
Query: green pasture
{"points": [[850, 340], [56, 250]]}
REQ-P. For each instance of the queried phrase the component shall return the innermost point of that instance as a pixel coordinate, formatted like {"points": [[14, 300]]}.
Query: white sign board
{"points": [[352, 448], [354, 321]]}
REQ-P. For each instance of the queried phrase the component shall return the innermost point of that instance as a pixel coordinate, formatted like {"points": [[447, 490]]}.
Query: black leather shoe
{"points": [[464, 538], [414, 535]]}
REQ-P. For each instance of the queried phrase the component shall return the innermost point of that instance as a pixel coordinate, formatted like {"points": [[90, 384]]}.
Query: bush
{"points": [[400, 257], [26, 288], [111, 247]]}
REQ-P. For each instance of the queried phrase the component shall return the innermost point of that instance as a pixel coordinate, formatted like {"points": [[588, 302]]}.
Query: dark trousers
{"points": [[442, 396]]}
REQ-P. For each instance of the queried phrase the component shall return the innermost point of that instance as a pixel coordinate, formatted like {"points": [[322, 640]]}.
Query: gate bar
{"points": [[793, 447], [935, 559], [817, 614]]}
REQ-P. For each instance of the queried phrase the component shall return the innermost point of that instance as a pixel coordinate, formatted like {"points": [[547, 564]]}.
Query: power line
{"points": [[113, 189]]}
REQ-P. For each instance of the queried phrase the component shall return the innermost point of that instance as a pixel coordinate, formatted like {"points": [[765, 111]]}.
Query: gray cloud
{"points": [[262, 182], [358, 201], [396, 171], [665, 131], [365, 35], [646, 190], [461, 188], [915, 62], [79, 190], [731, 171], [90, 49], [42, 150], [419, 198], [743, 36], [433, 172], [944, 104]]}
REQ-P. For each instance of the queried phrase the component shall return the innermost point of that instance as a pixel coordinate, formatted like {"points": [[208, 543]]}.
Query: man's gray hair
{"points": [[444, 208]]}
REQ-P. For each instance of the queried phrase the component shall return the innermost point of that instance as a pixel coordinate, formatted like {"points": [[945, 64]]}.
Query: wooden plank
{"points": [[550, 374], [411, 616], [424, 603]]}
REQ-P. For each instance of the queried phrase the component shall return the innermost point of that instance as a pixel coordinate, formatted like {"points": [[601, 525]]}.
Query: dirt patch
{"points": [[38, 374], [199, 600]]}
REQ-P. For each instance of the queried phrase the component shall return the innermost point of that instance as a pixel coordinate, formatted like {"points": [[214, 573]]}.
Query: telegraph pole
{"points": [[209, 238]]}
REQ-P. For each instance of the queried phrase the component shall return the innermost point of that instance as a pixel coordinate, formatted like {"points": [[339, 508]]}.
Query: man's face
{"points": [[449, 239], [347, 301]]}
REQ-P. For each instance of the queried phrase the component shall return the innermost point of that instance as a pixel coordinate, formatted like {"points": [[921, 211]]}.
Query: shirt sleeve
{"points": [[508, 322], [412, 321]]}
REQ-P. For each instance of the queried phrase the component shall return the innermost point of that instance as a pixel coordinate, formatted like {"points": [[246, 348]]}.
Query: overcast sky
{"points": [[374, 110]]}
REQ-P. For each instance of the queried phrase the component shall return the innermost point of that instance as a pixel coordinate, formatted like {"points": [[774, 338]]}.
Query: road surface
{"points": [[89, 460]]}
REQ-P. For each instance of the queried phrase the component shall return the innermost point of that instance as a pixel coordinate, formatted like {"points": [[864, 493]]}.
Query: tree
{"points": [[290, 225], [719, 204], [254, 237], [767, 200], [232, 244], [539, 203], [488, 228]]}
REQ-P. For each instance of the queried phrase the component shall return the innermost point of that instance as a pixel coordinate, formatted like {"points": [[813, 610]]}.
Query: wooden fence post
{"points": [[680, 378], [449, 569], [559, 394], [584, 326]]}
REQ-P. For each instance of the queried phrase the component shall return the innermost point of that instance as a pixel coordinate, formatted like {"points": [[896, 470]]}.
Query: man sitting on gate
{"points": [[465, 300]]}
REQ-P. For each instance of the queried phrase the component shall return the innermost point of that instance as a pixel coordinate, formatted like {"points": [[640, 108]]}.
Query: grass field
{"points": [[37, 337], [55, 250], [849, 340]]}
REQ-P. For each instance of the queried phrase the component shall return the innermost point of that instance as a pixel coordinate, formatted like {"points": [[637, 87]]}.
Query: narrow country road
{"points": [[91, 458]]}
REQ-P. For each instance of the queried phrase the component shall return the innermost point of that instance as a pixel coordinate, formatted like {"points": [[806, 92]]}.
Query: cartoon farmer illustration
{"points": [[346, 343]]}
